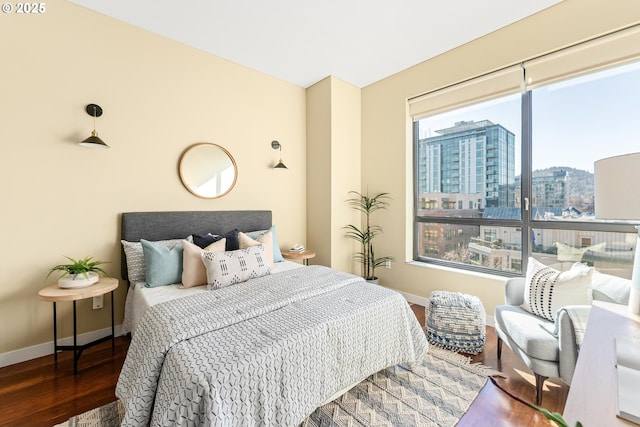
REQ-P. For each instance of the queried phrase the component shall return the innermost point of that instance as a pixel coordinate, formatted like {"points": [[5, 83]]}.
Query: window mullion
{"points": [[416, 225], [526, 176]]}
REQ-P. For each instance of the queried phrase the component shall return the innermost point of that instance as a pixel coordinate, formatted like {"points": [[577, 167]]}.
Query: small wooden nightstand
{"points": [[305, 255], [53, 293]]}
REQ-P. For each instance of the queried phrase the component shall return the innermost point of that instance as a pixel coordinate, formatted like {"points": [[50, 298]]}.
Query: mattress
{"points": [[140, 297]]}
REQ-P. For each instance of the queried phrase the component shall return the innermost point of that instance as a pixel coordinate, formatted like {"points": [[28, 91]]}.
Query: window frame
{"points": [[526, 222]]}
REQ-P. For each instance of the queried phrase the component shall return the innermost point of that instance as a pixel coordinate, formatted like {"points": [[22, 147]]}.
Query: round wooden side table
{"points": [[305, 255], [54, 293]]}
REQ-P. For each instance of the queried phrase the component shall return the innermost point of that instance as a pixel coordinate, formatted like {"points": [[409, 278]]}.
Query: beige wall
{"points": [[346, 133], [319, 171], [159, 97], [386, 136], [333, 169]]}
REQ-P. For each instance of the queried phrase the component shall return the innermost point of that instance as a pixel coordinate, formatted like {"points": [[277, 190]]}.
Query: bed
{"points": [[266, 351]]}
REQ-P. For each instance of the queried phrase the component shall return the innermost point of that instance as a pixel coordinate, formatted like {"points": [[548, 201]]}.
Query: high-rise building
{"points": [[548, 191], [468, 166]]}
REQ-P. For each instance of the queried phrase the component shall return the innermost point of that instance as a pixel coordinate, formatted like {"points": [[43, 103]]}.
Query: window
{"points": [[511, 174]]}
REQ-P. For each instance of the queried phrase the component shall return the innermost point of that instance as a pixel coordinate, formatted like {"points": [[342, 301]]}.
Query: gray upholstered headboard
{"points": [[180, 224]]}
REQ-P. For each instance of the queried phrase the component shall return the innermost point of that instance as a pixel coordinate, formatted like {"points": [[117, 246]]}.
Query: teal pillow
{"points": [[277, 255], [163, 264]]}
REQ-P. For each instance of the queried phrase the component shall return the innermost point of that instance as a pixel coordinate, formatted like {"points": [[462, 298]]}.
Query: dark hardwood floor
{"points": [[40, 392]]}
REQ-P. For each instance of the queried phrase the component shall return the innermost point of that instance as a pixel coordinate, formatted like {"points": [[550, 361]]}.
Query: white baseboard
{"points": [[424, 301], [415, 299], [44, 349]]}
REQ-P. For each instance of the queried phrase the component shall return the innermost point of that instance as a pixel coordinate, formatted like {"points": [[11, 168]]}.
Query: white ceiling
{"points": [[303, 41]]}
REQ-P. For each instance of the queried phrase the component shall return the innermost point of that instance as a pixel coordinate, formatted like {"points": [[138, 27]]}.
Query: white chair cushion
{"points": [[526, 331]]}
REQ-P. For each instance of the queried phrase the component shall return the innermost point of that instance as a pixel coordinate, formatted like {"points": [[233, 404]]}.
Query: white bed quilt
{"points": [[265, 352]]}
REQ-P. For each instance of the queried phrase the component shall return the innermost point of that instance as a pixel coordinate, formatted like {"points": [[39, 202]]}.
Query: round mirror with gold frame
{"points": [[207, 170]]}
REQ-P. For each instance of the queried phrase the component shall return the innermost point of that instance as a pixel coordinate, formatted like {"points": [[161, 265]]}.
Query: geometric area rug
{"points": [[436, 392]]}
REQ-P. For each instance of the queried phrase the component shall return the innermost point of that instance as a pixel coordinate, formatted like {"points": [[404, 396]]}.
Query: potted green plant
{"points": [[79, 273], [365, 234]]}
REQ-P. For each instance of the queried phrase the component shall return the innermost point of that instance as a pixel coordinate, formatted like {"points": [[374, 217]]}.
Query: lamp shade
{"points": [[93, 141], [615, 177], [280, 165]]}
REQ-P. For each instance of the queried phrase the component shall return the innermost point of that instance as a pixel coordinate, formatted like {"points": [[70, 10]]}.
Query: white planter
{"points": [[79, 281]]}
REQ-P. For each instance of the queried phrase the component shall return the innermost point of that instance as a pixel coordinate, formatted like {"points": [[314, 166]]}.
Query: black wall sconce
{"points": [[277, 146], [93, 141]]}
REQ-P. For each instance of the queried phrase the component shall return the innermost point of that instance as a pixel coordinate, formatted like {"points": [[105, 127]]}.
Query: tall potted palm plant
{"points": [[365, 234]]}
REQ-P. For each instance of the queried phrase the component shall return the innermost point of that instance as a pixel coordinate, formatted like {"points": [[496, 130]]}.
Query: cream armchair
{"points": [[531, 337]]}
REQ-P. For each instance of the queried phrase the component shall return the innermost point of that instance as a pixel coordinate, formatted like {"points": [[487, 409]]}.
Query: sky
{"points": [[575, 122]]}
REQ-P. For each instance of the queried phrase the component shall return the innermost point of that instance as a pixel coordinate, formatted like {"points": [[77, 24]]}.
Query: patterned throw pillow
{"points": [[547, 289], [229, 268], [136, 268]]}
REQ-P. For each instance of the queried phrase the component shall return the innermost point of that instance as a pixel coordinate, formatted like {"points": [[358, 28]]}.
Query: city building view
{"points": [[468, 171], [468, 166]]}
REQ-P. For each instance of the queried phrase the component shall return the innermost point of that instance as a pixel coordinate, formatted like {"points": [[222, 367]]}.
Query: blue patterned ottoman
{"points": [[456, 322]]}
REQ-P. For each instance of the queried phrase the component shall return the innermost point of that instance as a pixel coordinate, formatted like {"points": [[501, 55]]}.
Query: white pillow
{"points": [[610, 288], [194, 272], [228, 268], [547, 289]]}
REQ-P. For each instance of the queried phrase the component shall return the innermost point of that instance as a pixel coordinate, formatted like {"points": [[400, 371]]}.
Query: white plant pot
{"points": [[79, 281]]}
